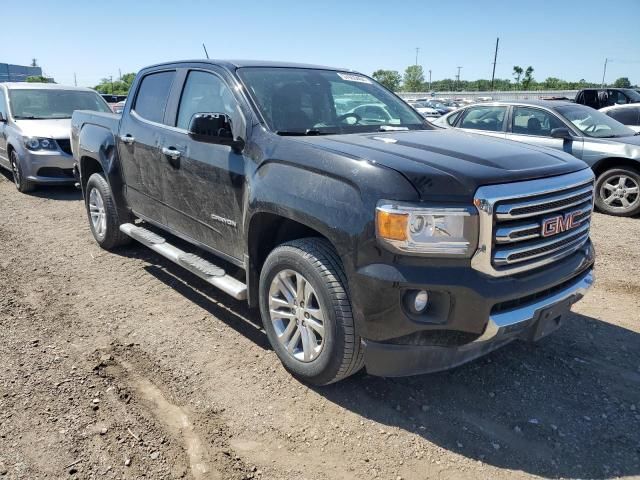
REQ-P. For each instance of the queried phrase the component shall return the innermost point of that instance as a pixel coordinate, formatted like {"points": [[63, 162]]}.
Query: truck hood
{"points": [[448, 164], [58, 128]]}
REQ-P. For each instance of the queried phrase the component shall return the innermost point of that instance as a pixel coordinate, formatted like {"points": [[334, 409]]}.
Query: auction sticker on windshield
{"points": [[353, 78]]}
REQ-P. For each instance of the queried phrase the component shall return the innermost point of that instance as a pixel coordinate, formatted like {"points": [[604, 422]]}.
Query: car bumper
{"points": [[51, 167], [531, 321], [469, 313]]}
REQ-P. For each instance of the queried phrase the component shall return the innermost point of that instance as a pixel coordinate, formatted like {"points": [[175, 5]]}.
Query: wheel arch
{"points": [[614, 162], [265, 232]]}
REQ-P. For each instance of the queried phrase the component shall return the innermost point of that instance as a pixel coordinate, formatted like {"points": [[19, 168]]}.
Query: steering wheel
{"points": [[344, 116], [591, 128]]}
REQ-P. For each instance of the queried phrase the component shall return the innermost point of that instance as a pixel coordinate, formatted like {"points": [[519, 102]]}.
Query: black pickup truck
{"points": [[365, 235]]}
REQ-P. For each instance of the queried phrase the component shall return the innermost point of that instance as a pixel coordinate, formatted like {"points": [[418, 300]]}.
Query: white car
{"points": [[628, 114], [424, 110]]}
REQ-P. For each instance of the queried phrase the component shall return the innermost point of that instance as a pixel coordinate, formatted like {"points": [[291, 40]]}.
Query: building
{"points": [[17, 73]]}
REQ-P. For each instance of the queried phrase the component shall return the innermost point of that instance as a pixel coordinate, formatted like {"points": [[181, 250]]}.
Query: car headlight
{"points": [[412, 229], [36, 143]]}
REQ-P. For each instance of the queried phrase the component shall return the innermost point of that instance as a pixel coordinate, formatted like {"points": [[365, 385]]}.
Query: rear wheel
{"points": [[618, 192], [306, 312], [102, 213], [22, 184]]}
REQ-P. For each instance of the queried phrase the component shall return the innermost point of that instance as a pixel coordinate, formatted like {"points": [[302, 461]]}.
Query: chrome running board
{"points": [[204, 269]]}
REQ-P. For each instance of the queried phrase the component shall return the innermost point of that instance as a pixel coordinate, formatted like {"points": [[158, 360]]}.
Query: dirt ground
{"points": [[124, 366]]}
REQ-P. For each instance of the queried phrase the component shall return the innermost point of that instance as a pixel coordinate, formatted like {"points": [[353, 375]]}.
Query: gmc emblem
{"points": [[560, 223]]}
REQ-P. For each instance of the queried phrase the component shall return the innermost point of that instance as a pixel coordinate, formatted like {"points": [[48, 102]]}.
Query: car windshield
{"points": [[594, 123], [302, 101], [46, 104], [436, 104]]}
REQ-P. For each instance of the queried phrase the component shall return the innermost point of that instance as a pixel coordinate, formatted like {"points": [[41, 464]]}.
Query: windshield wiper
{"points": [[302, 133], [28, 117], [392, 128]]}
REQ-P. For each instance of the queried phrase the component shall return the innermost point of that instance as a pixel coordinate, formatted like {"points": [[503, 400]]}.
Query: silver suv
{"points": [[35, 123]]}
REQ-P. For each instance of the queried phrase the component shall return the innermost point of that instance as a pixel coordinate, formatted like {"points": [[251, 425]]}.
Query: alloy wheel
{"points": [[97, 213], [296, 315], [15, 170], [620, 191]]}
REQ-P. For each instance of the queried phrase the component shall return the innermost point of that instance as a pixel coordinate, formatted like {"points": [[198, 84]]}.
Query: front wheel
{"points": [[306, 312], [618, 192], [22, 184], [102, 213]]}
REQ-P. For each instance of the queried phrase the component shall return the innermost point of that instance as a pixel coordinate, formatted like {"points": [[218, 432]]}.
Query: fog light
{"points": [[421, 301]]}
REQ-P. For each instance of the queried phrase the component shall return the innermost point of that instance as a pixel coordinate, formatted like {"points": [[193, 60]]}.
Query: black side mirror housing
{"points": [[561, 133], [215, 128]]}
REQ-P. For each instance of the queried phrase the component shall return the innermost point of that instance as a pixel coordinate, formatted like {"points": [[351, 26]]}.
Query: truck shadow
{"points": [[568, 406], [231, 312]]}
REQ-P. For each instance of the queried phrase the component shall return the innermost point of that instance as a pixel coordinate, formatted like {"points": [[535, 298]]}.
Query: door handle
{"points": [[171, 152], [128, 139], [174, 156]]}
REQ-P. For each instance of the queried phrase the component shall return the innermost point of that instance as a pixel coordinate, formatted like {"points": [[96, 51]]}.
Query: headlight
{"points": [[36, 143], [413, 229]]}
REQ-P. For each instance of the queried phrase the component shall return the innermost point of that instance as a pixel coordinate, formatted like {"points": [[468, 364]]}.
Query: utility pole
{"points": [[111, 79], [606, 60], [119, 75], [75, 80], [417, 51], [206, 54], [458, 78], [429, 80], [495, 59]]}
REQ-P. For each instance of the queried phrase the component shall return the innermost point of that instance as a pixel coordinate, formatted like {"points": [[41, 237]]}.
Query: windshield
{"points": [[594, 123], [309, 101], [47, 104]]}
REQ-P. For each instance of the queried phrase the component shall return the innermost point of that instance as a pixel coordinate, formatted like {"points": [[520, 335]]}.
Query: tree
{"points": [[39, 79], [517, 74], [389, 78], [116, 87], [622, 82], [528, 78], [413, 78]]}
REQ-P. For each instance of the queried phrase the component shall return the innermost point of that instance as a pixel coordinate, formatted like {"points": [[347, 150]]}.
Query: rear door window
{"points": [[489, 118], [153, 95], [626, 116]]}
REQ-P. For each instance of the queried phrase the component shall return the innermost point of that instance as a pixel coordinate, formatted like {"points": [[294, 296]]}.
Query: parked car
{"points": [[608, 147], [424, 109], [628, 115], [34, 130], [605, 97], [438, 106], [399, 246]]}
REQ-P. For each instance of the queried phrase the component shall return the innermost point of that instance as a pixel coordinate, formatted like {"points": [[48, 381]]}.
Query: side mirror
{"points": [[2, 118], [561, 133], [214, 128]]}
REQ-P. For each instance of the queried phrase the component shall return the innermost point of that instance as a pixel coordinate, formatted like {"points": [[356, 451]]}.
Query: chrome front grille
{"points": [[513, 237]]}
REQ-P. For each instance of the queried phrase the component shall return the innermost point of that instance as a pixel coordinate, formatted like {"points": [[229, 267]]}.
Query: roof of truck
{"points": [[42, 86], [232, 64]]}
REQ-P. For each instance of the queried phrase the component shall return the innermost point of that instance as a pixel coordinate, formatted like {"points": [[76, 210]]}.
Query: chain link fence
{"points": [[487, 96]]}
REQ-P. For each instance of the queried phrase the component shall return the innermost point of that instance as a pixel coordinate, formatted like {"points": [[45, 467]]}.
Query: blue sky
{"points": [[564, 38]]}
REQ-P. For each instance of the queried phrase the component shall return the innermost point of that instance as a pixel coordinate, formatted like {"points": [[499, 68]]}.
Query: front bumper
{"points": [[48, 167], [529, 321]]}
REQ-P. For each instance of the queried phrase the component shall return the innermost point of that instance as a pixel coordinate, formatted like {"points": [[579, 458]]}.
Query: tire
{"points": [[102, 214], [618, 192], [22, 184], [341, 352]]}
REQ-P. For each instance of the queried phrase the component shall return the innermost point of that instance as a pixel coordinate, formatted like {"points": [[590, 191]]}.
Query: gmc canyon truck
{"points": [[365, 240]]}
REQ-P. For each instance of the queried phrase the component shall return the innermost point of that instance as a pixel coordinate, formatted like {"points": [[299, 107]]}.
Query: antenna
{"points": [[495, 59], [205, 51]]}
